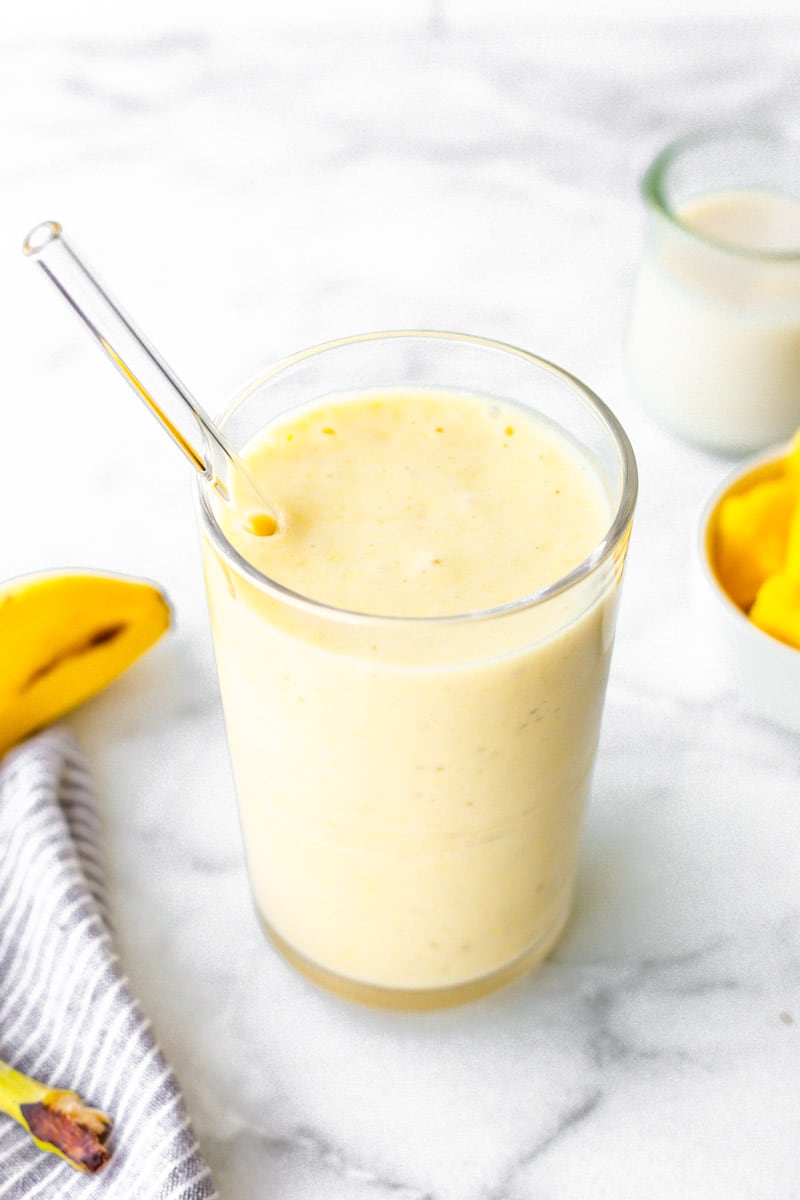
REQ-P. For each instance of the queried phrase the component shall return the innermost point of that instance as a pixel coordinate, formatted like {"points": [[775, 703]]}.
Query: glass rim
{"points": [[602, 551], [654, 179]]}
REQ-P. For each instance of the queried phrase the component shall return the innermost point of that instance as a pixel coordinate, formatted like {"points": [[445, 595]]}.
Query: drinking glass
{"points": [[714, 340], [411, 790]]}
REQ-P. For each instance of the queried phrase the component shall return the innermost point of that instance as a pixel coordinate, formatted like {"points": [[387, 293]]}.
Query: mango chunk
{"points": [[792, 560], [792, 460], [777, 608], [752, 534]]}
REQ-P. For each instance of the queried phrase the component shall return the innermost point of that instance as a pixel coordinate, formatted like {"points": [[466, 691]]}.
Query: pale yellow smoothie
{"points": [[412, 791]]}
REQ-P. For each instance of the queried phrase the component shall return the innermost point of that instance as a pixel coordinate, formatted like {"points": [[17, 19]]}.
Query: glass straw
{"points": [[153, 380]]}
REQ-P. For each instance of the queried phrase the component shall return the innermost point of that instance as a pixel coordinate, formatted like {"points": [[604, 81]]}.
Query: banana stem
{"points": [[57, 1119], [16, 1089]]}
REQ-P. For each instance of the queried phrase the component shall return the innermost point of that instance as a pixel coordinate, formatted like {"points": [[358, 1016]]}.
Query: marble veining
{"points": [[246, 196]]}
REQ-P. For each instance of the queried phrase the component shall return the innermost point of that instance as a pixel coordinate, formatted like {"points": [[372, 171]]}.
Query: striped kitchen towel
{"points": [[67, 1016]]}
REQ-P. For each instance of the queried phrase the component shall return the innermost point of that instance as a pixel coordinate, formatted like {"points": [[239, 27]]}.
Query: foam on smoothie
{"points": [[422, 504]]}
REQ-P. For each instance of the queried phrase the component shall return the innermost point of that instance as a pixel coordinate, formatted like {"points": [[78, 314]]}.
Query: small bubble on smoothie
{"points": [[439, 429]]}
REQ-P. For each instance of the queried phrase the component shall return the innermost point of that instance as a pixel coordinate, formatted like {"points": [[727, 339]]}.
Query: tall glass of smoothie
{"points": [[413, 666]]}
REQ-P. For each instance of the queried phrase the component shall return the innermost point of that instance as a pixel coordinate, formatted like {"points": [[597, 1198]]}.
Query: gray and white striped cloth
{"points": [[67, 1016]]}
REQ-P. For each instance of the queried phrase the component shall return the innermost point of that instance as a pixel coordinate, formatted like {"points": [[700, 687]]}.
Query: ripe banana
{"points": [[63, 637]]}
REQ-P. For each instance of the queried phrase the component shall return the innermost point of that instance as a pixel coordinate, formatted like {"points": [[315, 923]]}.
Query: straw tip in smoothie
{"points": [[260, 524]]}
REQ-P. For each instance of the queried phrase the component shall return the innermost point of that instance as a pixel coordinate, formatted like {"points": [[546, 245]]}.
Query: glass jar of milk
{"points": [[714, 343]]}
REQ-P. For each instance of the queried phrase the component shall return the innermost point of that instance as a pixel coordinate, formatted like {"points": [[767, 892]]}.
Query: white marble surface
{"points": [[250, 194]]}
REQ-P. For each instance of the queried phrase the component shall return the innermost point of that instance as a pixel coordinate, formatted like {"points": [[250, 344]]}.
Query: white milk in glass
{"points": [[714, 348]]}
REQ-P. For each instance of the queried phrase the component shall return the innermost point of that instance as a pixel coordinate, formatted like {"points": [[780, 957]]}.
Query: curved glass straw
{"points": [[153, 380]]}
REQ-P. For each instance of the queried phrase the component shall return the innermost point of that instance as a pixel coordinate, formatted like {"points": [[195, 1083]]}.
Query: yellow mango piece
{"points": [[776, 609], [63, 637], [752, 531], [792, 460], [791, 565]]}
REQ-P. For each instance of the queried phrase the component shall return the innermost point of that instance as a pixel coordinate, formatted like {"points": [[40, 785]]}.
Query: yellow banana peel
{"points": [[64, 637]]}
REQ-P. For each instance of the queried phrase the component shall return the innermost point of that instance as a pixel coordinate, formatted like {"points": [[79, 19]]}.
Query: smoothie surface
{"points": [[419, 504]]}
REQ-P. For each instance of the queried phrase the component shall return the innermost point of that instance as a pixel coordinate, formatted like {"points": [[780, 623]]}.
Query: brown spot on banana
{"points": [[100, 638]]}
